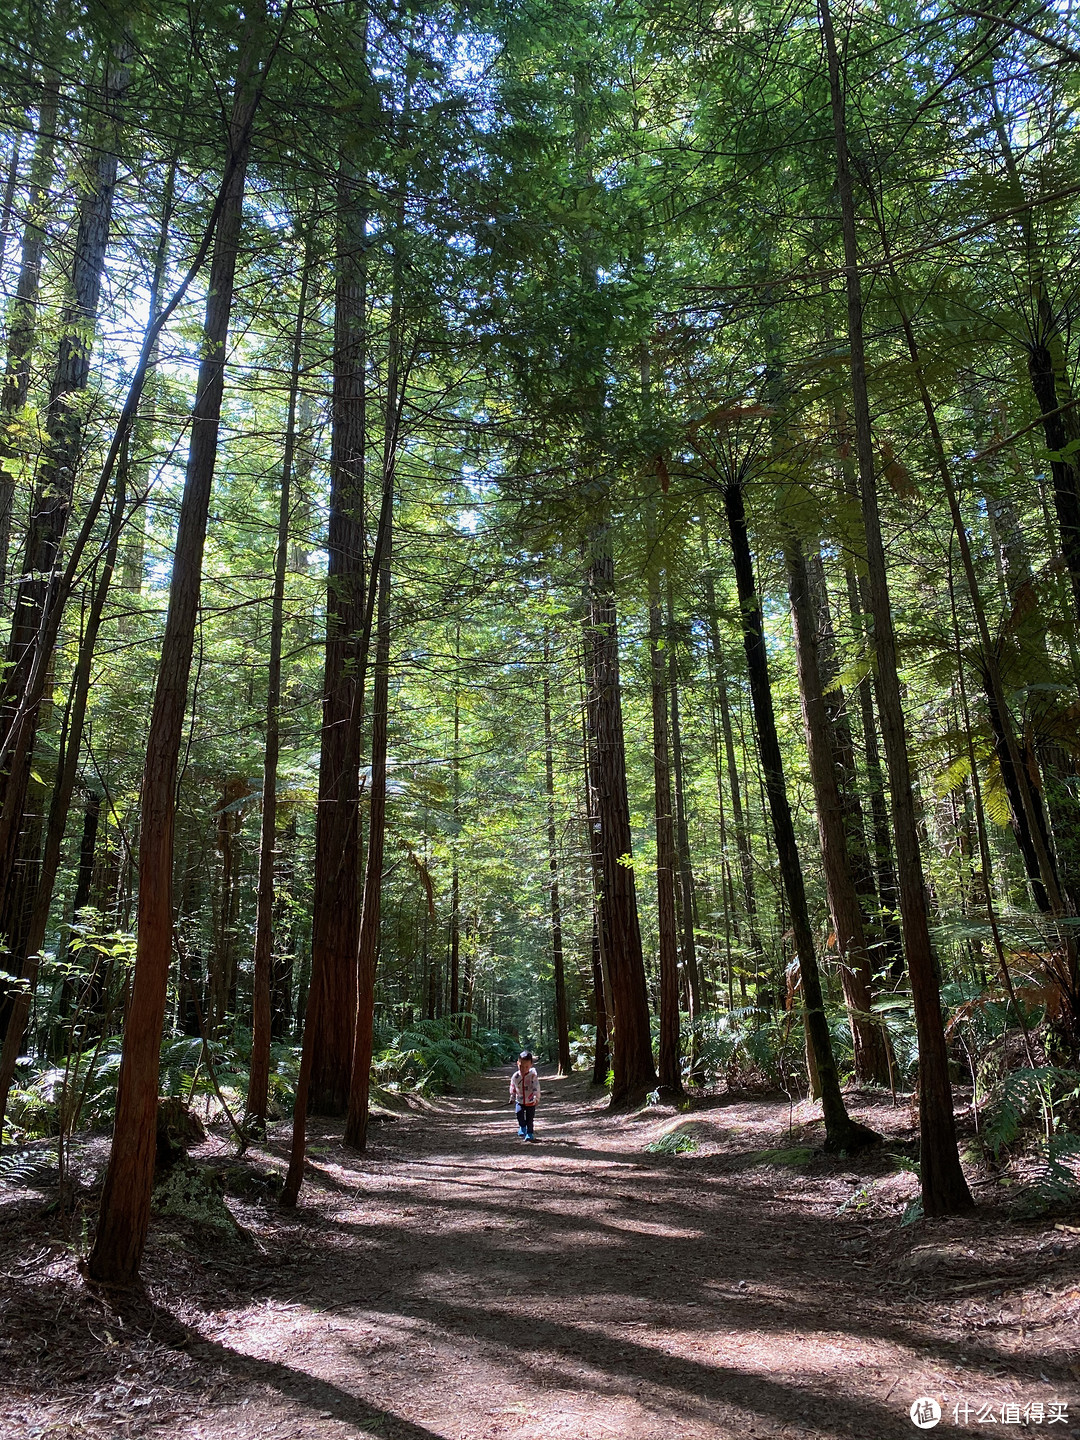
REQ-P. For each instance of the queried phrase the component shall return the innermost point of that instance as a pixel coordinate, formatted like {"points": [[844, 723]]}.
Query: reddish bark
{"points": [[631, 1037], [125, 1201], [336, 902]]}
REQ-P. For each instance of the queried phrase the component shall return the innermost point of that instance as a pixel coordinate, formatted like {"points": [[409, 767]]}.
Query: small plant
{"points": [[675, 1142], [1057, 1179], [26, 1169], [904, 1165], [858, 1200], [1042, 1088], [913, 1211]]}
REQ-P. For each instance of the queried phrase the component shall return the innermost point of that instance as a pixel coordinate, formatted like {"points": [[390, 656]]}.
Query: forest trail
{"points": [[459, 1284]]}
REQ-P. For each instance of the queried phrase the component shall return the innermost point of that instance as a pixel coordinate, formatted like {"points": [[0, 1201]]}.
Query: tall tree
{"points": [[669, 1068], [944, 1189], [853, 953], [562, 1019], [336, 903], [125, 1200], [259, 1076], [841, 1132], [65, 423], [631, 1036]]}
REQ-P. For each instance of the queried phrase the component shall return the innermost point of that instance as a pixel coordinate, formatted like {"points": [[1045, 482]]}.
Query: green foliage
{"points": [[27, 1169], [898, 1018], [793, 1156], [1041, 1095], [583, 1047], [913, 1212], [675, 1142], [749, 1047], [192, 1194], [1030, 1089], [433, 1056]]}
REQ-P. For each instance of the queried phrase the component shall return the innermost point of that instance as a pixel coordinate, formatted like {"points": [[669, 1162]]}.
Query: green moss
{"points": [[192, 1194], [797, 1155]]}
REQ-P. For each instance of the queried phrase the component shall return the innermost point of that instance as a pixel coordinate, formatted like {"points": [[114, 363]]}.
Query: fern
{"points": [[432, 1056], [675, 1142], [1019, 1094], [1057, 1179], [28, 1169]]}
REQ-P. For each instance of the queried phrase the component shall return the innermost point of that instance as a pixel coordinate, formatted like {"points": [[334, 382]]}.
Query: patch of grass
{"points": [[675, 1142]]}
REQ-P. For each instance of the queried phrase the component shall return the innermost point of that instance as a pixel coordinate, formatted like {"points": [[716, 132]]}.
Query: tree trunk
{"points": [[455, 877], [356, 1121], [841, 1132], [125, 1201], [687, 892], [853, 954], [669, 1069], [283, 953], [22, 318], [883, 862], [262, 1024], [842, 746], [562, 1022], [630, 1027], [66, 776], [944, 1188], [8, 203], [64, 424], [367, 954], [597, 948], [336, 902], [742, 834], [1069, 980]]}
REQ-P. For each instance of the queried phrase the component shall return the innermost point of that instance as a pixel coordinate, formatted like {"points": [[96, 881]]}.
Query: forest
{"points": [[555, 528]]}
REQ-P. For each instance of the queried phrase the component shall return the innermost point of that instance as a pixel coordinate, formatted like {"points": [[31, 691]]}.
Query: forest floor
{"points": [[456, 1283]]}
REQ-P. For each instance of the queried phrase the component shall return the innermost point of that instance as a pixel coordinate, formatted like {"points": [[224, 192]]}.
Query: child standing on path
{"points": [[524, 1093]]}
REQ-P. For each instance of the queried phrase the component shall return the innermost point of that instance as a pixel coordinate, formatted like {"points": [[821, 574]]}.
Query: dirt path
{"points": [[458, 1284]]}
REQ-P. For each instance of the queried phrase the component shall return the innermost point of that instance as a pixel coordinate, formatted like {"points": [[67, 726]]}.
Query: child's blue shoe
{"points": [[523, 1135], [532, 1138]]}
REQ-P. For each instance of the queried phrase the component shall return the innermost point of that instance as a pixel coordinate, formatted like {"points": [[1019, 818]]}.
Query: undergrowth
{"points": [[433, 1056], [429, 1057]]}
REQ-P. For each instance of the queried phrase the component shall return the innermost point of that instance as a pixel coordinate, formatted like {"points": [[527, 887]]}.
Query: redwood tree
{"points": [[125, 1200]]}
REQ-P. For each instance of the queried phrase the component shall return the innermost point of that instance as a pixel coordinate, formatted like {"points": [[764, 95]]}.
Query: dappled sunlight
{"points": [[453, 1284]]}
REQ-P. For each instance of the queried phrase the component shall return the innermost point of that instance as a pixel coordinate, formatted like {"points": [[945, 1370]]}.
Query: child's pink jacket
{"points": [[524, 1089]]}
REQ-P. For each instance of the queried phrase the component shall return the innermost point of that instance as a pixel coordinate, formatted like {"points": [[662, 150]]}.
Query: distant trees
{"points": [[623, 569]]}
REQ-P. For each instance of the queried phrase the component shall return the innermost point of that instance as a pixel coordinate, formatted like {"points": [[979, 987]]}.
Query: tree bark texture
{"points": [[853, 954], [125, 1201], [562, 1021], [881, 830], [368, 948], [66, 777], [738, 814], [669, 1069], [597, 946], [687, 891], [944, 1188], [336, 904], [455, 876], [356, 1121], [631, 1038], [841, 1132], [22, 317], [54, 489]]}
